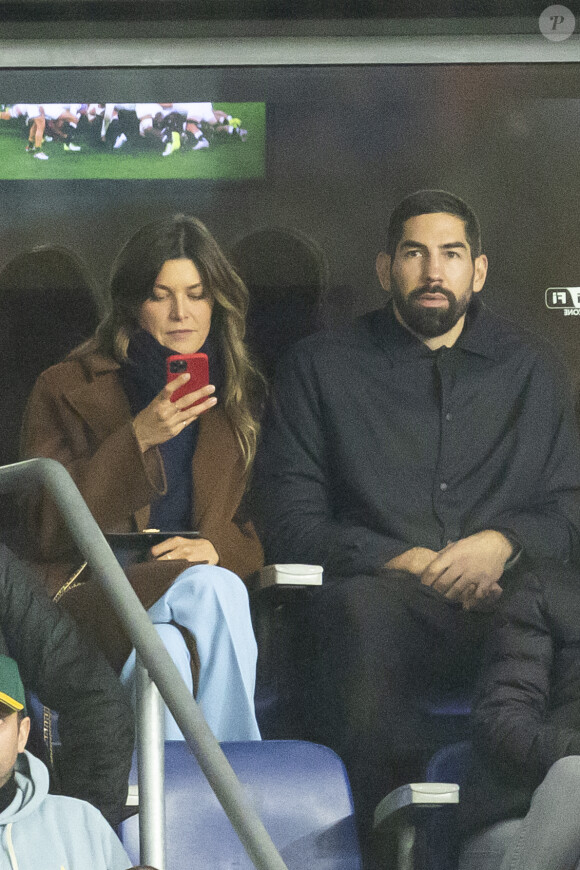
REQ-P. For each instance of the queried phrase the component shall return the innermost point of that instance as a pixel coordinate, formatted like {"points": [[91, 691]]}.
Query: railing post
{"points": [[150, 717]]}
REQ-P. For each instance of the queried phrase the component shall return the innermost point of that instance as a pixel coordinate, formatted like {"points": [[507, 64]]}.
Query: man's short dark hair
{"points": [[432, 202]]}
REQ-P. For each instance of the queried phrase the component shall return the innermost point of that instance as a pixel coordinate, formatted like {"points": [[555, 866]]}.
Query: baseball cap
{"points": [[11, 688]]}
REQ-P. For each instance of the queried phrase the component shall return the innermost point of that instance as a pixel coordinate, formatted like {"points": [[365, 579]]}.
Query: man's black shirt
{"points": [[374, 444]]}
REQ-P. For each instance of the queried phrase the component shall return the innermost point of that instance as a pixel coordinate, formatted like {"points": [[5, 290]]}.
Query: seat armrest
{"points": [[132, 796], [401, 821], [415, 794], [290, 575]]}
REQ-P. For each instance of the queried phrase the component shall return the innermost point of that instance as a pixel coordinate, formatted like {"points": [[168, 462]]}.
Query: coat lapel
{"points": [[103, 406], [101, 401]]}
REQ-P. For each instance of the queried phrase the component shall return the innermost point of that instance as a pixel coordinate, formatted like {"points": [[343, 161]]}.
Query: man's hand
{"points": [[198, 550], [416, 560], [468, 570]]}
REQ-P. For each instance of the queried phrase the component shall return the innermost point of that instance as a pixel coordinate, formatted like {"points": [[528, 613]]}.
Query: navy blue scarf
{"points": [[143, 376]]}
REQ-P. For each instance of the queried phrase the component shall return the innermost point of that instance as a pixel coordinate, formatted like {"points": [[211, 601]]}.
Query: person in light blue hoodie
{"points": [[40, 831]]}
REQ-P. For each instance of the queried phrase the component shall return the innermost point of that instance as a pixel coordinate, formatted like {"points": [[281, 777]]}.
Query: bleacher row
{"points": [[298, 789]]}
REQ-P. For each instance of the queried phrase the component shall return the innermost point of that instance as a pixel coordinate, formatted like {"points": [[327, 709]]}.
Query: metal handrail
{"points": [[150, 716], [105, 568]]}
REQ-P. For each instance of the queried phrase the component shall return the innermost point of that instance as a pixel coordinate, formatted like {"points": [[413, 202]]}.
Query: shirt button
{"points": [[449, 417], [442, 487]]}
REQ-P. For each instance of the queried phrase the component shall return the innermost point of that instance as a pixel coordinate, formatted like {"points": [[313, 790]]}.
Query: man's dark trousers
{"points": [[384, 644]]}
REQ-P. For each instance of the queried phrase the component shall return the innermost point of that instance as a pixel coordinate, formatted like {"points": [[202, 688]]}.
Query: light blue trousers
{"points": [[212, 604], [548, 838]]}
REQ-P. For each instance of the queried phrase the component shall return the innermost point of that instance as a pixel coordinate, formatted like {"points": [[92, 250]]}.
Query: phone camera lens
{"points": [[177, 365]]}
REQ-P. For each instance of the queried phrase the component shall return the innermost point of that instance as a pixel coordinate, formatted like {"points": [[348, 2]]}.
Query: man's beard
{"points": [[425, 321]]}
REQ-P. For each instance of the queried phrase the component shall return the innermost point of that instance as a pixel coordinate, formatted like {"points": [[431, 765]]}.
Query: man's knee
{"points": [[368, 618], [362, 596]]}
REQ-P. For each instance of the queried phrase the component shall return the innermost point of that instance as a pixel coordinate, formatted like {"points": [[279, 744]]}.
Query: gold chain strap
{"points": [[46, 711], [47, 733], [70, 583]]}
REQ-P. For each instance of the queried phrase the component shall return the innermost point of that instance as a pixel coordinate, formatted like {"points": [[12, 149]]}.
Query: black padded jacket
{"points": [[527, 711], [72, 678]]}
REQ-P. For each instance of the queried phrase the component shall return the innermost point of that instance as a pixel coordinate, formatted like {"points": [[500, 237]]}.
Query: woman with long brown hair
{"points": [[142, 460]]}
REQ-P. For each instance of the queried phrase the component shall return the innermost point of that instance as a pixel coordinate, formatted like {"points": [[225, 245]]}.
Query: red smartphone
{"points": [[197, 366]]}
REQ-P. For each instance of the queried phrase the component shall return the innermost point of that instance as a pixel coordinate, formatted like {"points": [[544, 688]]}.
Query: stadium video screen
{"points": [[205, 140]]}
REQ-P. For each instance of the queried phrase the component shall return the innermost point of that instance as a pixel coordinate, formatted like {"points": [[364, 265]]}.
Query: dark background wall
{"points": [[344, 144]]}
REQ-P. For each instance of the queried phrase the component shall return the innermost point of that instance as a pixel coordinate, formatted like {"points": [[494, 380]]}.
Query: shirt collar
{"points": [[477, 336], [480, 334]]}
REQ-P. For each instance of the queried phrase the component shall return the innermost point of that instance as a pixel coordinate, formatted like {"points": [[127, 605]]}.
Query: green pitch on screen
{"points": [[230, 158]]}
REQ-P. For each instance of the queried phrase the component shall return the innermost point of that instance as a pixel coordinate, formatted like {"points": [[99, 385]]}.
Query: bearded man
{"points": [[423, 455]]}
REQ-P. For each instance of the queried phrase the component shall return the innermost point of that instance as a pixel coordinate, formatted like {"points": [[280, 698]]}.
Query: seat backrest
{"points": [[48, 306], [300, 790], [446, 714], [450, 764], [286, 274]]}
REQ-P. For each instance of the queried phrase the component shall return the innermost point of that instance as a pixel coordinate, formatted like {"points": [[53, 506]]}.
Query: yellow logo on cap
{"points": [[10, 702]]}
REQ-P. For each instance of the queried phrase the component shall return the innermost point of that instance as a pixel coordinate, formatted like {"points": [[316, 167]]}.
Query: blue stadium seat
{"points": [[450, 763], [448, 717], [299, 789]]}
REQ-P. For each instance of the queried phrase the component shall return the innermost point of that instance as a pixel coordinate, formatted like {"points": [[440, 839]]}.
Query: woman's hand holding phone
{"points": [[197, 550], [163, 419]]}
